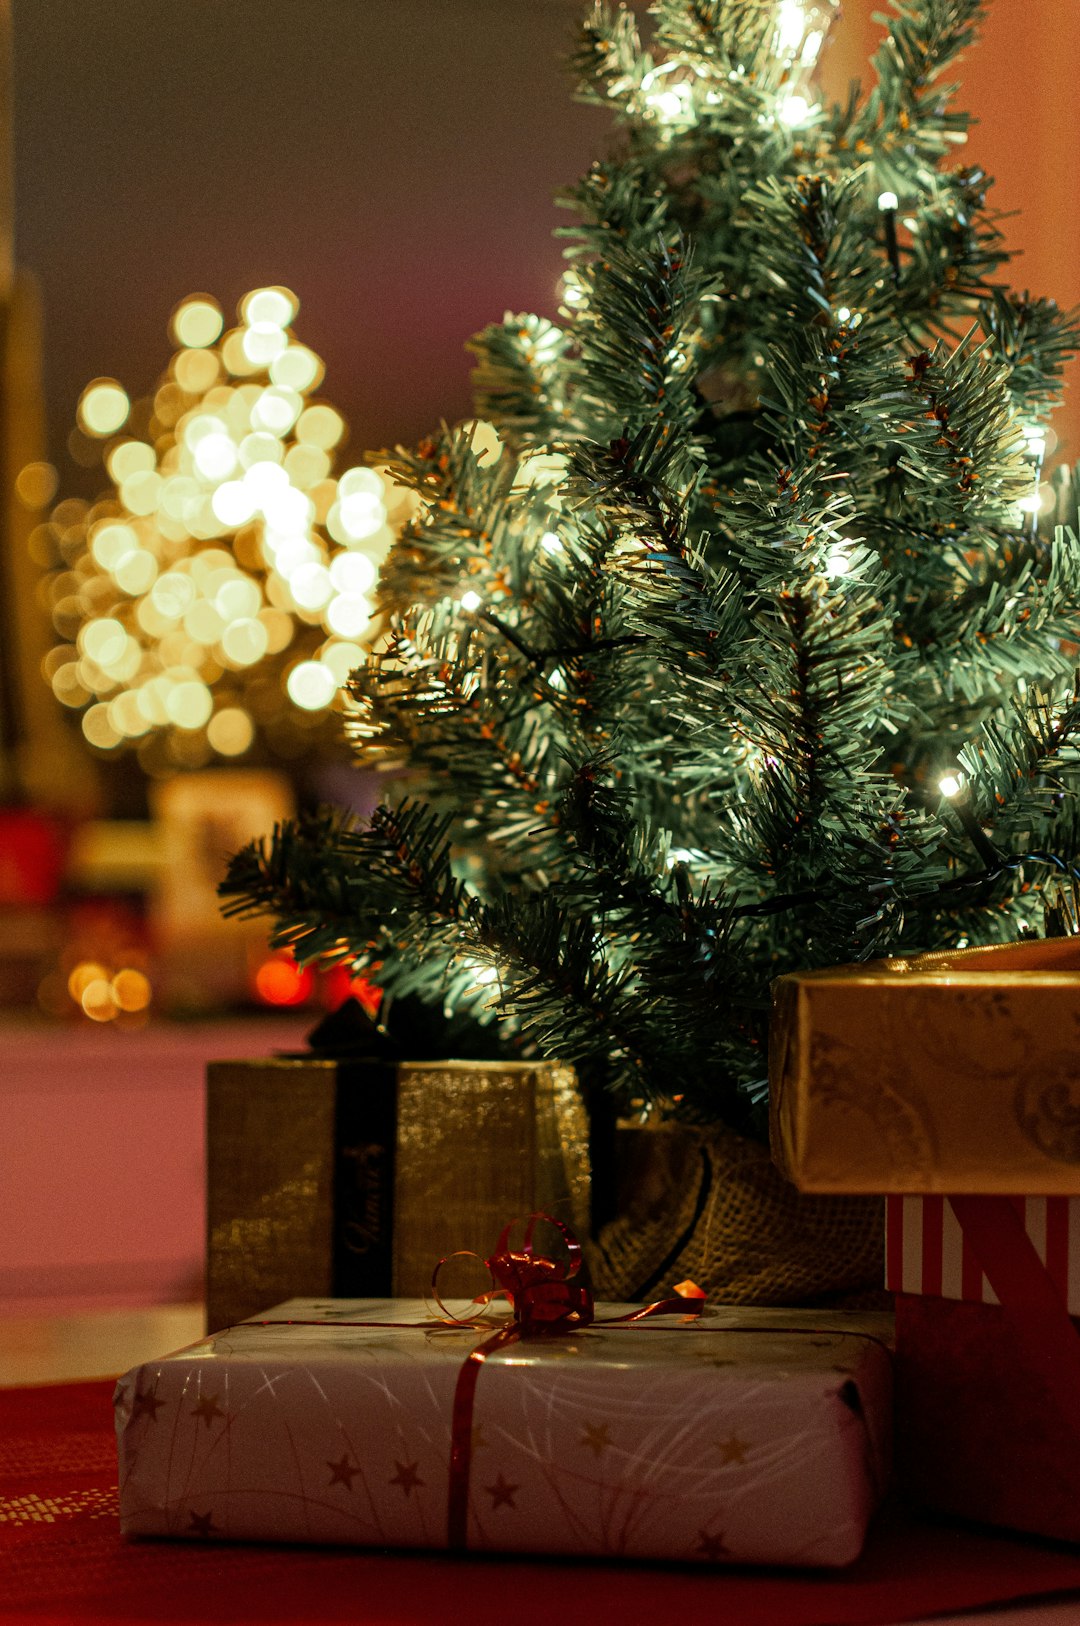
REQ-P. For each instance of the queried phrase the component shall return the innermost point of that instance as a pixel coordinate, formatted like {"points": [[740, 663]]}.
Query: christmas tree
{"points": [[746, 646], [217, 591]]}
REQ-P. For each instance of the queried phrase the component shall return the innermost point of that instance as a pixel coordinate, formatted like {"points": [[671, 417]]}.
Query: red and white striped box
{"points": [[926, 1251]]}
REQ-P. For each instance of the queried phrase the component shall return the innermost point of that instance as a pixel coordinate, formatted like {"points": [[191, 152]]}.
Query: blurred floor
{"points": [[102, 1161], [93, 1344]]}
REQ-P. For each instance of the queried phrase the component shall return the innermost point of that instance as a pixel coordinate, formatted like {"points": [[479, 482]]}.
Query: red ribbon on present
{"points": [[544, 1293], [546, 1297], [536, 1287]]}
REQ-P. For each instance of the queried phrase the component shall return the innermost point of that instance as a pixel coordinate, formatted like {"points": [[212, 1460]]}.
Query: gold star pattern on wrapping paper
{"points": [[478, 1441], [343, 1472], [407, 1477], [732, 1450], [208, 1409], [202, 1524], [595, 1436], [146, 1404], [502, 1493], [711, 1546]]}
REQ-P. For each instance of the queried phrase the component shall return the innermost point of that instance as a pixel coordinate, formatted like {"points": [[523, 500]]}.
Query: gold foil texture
{"points": [[947, 1073], [477, 1145], [480, 1144]]}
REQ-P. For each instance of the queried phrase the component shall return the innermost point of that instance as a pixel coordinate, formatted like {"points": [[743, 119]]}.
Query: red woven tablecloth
{"points": [[62, 1560]]}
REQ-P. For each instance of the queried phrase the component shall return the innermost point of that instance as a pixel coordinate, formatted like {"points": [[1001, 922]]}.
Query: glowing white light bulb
{"points": [[311, 586], [670, 104], [341, 659], [950, 786], [1030, 505], [793, 111], [671, 101], [550, 542], [887, 200], [790, 27], [815, 39], [470, 601], [1034, 440], [837, 561], [843, 314]]}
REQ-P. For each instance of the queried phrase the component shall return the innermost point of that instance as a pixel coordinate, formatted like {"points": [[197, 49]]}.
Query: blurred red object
{"points": [[33, 849], [340, 984], [280, 981]]}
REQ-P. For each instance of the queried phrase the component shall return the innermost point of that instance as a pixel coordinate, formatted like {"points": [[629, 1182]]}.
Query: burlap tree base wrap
{"points": [[711, 1207]]}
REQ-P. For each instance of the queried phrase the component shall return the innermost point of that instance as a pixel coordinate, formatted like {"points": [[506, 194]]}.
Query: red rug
{"points": [[63, 1561]]}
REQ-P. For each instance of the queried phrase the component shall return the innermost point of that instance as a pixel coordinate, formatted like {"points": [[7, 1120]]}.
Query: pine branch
{"points": [[907, 122], [519, 380]]}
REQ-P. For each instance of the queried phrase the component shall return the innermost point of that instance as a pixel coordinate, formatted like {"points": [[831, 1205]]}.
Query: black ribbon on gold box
{"points": [[344, 1176]]}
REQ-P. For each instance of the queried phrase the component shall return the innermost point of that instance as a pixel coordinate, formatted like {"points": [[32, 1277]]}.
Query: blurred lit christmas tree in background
{"points": [[215, 600], [750, 643]]}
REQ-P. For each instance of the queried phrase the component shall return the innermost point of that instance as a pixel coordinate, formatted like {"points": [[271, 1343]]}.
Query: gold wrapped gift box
{"points": [[351, 1177], [955, 1072]]}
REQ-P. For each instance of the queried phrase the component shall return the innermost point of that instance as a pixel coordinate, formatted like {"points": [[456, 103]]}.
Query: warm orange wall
{"points": [[1020, 84]]}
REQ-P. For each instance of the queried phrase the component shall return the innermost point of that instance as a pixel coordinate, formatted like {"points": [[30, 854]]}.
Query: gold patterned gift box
{"points": [[953, 1073], [750, 1436], [330, 1176]]}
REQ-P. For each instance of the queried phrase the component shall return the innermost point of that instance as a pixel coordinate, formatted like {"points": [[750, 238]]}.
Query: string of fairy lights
{"points": [[221, 592], [671, 92], [222, 588]]}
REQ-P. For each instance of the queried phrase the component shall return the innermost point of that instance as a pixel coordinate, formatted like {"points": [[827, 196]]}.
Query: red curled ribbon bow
{"points": [[544, 1293], [546, 1298]]}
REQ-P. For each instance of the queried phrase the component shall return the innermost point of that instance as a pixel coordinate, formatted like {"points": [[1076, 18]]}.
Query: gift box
{"points": [[943, 1073], [988, 1356], [946, 1082], [982, 1430], [750, 1436], [350, 1177], [927, 1250]]}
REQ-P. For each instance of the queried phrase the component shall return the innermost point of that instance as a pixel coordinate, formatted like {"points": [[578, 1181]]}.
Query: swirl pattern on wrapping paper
{"points": [[979, 1030], [905, 1130], [1048, 1113]]}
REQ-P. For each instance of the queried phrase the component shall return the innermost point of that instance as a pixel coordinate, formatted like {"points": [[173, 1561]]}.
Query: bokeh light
{"points": [[280, 981], [103, 994], [217, 596], [35, 484], [103, 407], [196, 321]]}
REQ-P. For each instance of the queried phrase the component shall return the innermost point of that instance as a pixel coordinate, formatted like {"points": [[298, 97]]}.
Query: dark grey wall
{"points": [[392, 161]]}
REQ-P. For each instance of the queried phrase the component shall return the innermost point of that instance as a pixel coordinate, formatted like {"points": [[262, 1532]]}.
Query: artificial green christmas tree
{"points": [[745, 649]]}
